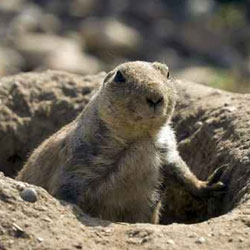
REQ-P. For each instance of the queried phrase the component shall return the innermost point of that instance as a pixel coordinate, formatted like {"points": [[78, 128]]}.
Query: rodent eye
{"points": [[119, 78], [168, 75]]}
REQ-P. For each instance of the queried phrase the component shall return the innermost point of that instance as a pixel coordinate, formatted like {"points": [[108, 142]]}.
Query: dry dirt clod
{"points": [[29, 194]]}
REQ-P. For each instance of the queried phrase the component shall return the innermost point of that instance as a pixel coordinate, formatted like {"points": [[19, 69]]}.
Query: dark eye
{"points": [[168, 75], [119, 78]]}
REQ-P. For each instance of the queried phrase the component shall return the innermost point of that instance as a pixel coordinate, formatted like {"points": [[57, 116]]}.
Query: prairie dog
{"points": [[113, 158]]}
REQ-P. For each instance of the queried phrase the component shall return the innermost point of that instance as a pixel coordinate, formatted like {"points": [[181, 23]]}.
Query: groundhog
{"points": [[113, 158]]}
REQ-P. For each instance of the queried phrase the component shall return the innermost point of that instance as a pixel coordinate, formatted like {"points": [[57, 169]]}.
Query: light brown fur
{"points": [[112, 159]]}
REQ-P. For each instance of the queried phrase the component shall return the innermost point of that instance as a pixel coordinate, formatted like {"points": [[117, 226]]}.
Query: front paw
{"points": [[206, 190], [213, 187]]}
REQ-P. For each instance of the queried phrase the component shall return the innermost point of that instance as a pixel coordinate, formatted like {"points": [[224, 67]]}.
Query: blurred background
{"points": [[207, 41]]}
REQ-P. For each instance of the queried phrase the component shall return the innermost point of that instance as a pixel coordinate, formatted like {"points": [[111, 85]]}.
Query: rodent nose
{"points": [[154, 101]]}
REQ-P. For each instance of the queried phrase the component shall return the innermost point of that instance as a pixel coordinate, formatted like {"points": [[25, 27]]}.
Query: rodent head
{"points": [[137, 98]]}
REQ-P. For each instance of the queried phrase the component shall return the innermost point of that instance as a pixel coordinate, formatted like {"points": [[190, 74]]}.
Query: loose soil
{"points": [[212, 128]]}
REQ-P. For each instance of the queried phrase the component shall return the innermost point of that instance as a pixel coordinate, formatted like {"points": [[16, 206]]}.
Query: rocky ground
{"points": [[212, 129]]}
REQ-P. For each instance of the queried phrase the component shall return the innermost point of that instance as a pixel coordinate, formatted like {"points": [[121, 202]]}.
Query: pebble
{"points": [[198, 124], [170, 242], [39, 239], [19, 232], [17, 228], [47, 219], [200, 240], [29, 194], [20, 186]]}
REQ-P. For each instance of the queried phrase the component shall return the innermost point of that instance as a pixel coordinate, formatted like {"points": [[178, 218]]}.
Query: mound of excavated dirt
{"points": [[212, 129], [33, 106]]}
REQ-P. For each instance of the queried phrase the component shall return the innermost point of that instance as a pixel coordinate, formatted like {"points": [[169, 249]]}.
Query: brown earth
{"points": [[212, 129], [33, 106]]}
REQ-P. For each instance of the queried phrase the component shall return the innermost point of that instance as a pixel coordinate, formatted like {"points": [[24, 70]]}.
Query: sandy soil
{"points": [[212, 129]]}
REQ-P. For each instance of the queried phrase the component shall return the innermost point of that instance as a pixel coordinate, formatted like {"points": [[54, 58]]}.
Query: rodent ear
{"points": [[163, 68]]}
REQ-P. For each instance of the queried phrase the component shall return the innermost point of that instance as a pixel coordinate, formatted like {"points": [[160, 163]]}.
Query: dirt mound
{"points": [[51, 225], [212, 129], [33, 106]]}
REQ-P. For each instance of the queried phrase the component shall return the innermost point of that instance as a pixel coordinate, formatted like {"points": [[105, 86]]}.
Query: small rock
{"points": [[19, 232], [47, 219], [29, 194], [16, 227], [200, 240], [39, 239], [170, 242], [20, 186], [41, 208], [198, 124]]}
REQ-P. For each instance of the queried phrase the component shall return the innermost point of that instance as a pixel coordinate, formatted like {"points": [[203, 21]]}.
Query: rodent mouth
{"points": [[149, 117]]}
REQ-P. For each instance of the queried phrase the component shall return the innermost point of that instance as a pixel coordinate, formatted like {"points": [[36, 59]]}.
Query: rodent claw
{"points": [[216, 189], [216, 175]]}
